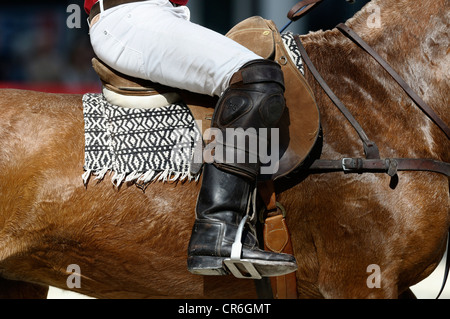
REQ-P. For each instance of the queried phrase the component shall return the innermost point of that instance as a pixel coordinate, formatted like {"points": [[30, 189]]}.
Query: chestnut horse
{"points": [[132, 244]]}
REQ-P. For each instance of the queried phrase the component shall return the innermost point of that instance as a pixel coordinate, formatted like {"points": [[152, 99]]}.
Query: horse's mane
{"points": [[392, 12]]}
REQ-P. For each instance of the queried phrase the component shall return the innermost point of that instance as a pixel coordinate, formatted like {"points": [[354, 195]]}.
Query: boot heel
{"points": [[206, 265]]}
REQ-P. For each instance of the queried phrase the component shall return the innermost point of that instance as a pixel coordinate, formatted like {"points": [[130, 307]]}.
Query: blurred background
{"points": [[39, 50]]}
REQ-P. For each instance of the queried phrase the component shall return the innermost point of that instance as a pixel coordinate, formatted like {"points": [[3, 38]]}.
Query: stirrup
{"points": [[240, 268]]}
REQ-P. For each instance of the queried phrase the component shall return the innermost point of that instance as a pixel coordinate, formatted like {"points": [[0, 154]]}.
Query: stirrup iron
{"points": [[240, 268]]}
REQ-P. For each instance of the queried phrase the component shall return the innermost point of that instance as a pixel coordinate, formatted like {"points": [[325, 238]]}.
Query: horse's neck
{"points": [[411, 35]]}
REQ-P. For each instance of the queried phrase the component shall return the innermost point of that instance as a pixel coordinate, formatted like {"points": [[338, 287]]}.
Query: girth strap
{"points": [[389, 166]]}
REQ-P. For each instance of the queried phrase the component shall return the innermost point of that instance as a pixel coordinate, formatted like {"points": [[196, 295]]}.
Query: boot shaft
{"points": [[254, 101]]}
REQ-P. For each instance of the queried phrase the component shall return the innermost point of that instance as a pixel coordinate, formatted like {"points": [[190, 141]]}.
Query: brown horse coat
{"points": [[130, 243]]}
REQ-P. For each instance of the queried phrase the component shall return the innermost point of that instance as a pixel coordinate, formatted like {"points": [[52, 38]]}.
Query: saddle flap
{"points": [[254, 34], [304, 116], [300, 123]]}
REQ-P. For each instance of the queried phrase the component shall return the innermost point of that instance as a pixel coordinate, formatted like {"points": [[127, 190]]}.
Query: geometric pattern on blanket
{"points": [[294, 52], [140, 145], [146, 145]]}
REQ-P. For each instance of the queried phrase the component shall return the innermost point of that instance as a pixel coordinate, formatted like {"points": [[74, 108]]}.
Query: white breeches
{"points": [[156, 41]]}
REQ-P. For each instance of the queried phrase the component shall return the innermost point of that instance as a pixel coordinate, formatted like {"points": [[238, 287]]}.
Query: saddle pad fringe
{"points": [[138, 145]]}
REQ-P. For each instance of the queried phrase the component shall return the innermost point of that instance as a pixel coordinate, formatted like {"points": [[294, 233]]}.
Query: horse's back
{"points": [[121, 238], [40, 134], [32, 121]]}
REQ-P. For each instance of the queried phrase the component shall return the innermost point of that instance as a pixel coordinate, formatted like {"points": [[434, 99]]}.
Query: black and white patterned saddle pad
{"points": [[294, 52], [146, 145], [140, 145]]}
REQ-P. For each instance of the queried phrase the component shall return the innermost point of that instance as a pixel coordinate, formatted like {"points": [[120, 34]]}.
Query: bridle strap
{"points": [[301, 8], [347, 31], [370, 148]]}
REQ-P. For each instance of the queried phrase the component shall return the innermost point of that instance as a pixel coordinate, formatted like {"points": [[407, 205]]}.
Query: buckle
{"points": [[345, 163], [392, 167], [352, 164]]}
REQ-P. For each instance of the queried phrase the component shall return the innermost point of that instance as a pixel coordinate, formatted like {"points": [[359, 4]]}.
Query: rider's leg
{"points": [[155, 41], [254, 101]]}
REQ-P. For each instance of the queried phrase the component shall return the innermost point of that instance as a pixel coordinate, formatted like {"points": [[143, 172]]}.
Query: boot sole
{"points": [[214, 266], [206, 266]]}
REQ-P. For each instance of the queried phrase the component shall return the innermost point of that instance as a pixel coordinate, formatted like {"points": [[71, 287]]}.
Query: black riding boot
{"points": [[222, 239], [221, 207]]}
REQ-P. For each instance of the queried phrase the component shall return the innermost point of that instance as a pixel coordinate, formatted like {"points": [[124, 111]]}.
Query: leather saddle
{"points": [[300, 124]]}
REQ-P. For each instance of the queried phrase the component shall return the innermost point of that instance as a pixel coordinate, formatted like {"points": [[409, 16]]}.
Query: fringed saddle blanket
{"points": [[145, 145], [140, 145]]}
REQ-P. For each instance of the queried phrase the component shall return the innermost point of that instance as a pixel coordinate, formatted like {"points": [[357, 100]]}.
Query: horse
{"points": [[128, 243]]}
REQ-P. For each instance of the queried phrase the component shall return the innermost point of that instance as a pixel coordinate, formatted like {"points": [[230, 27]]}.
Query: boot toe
{"points": [[270, 264]]}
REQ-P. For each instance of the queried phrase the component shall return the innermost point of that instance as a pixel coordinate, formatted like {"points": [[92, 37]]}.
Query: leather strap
{"points": [[389, 166], [277, 239], [108, 4], [372, 163], [447, 267], [370, 148], [301, 8], [419, 102], [267, 191]]}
